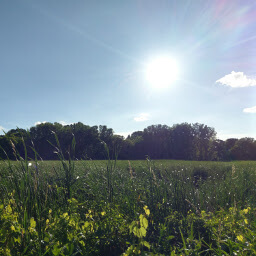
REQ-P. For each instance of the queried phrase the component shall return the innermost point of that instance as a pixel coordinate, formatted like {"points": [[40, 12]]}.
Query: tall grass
{"points": [[122, 188], [23, 183], [68, 166]]}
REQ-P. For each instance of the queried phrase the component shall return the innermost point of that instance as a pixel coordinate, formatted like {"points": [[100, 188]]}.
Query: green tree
{"points": [[244, 149], [182, 141], [204, 136]]}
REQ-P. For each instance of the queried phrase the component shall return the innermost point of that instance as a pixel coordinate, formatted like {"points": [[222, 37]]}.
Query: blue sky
{"points": [[70, 61]]}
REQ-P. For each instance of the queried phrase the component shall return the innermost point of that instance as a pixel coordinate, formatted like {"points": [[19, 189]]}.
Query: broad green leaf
{"points": [[46, 239], [145, 243], [143, 221], [32, 223], [17, 240], [143, 232], [136, 231], [56, 250]]}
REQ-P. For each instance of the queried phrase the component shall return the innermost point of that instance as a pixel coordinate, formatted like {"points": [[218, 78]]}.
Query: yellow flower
{"points": [[103, 213], [203, 213], [147, 211], [89, 215], [240, 238], [47, 222], [65, 215], [246, 221], [8, 209], [246, 210], [8, 252]]}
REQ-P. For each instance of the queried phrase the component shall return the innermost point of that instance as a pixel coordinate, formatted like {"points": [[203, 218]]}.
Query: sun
{"points": [[161, 71]]}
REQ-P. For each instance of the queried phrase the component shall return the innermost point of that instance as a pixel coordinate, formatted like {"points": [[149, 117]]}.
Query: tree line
{"points": [[181, 141]]}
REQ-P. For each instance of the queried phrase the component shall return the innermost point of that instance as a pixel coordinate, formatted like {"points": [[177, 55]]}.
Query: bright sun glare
{"points": [[161, 72]]}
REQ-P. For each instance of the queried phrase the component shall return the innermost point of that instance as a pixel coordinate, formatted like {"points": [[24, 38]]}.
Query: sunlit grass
{"points": [[88, 207]]}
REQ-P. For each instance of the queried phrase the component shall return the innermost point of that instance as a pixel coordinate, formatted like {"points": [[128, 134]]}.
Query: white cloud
{"points": [[250, 110], [37, 123], [236, 80], [125, 134], [224, 136], [60, 122], [141, 117], [63, 123]]}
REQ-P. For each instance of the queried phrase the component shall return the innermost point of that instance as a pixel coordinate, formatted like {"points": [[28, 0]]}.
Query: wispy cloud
{"points": [[250, 110], [84, 33], [236, 80], [141, 117], [37, 123], [248, 39]]}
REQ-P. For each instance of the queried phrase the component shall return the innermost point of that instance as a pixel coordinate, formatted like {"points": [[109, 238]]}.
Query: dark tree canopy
{"points": [[181, 141]]}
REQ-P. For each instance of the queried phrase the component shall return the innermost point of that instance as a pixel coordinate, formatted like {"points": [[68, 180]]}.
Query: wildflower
{"points": [[240, 238], [65, 214], [246, 221], [147, 211], [103, 213], [246, 210], [89, 215]]}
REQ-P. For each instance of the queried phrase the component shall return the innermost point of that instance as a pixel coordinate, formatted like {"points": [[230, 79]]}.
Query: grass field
{"points": [[161, 207]]}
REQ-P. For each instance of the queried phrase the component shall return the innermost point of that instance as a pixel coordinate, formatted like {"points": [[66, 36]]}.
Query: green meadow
{"points": [[147, 207], [128, 128]]}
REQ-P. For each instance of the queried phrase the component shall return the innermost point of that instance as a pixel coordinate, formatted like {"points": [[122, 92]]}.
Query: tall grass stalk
{"points": [[111, 166], [26, 188], [67, 165]]}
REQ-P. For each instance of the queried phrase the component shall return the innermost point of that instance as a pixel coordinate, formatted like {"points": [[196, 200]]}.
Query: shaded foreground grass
{"points": [[127, 207]]}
